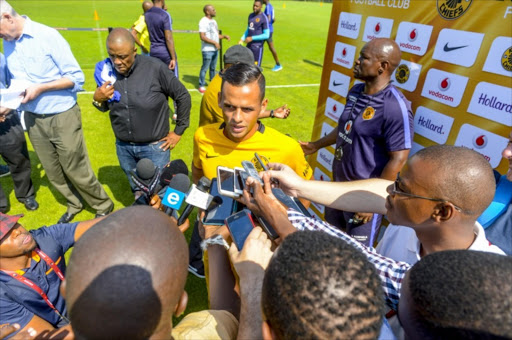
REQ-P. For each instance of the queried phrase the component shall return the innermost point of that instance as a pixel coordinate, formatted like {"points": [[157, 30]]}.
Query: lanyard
{"points": [[35, 287]]}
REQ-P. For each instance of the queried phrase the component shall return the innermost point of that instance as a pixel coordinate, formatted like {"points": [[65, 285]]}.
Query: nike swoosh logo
{"points": [[449, 49], [211, 156], [334, 83]]}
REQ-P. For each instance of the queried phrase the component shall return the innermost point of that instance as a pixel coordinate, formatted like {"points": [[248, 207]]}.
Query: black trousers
{"points": [[13, 148]]}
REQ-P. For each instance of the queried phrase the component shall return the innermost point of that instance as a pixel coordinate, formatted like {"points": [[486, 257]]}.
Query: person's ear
{"points": [[182, 304], [264, 104], [384, 66], [267, 331], [62, 288], [443, 212]]}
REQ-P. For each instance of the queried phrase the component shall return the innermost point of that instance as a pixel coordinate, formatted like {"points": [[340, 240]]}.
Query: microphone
{"points": [[198, 196], [175, 167], [146, 176], [175, 193]]}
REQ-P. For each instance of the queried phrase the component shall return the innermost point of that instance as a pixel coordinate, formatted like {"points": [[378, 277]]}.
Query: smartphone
{"points": [[240, 226], [265, 225], [239, 180], [226, 181], [220, 208], [251, 171], [265, 168], [290, 202]]}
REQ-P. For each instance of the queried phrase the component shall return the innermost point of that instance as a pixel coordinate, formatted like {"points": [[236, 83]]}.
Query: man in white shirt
{"points": [[210, 37]]}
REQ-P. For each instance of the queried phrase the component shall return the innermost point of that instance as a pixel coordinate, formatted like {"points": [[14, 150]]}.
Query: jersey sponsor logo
{"points": [[333, 109], [452, 9], [338, 83], [413, 37], [432, 125], [368, 113], [349, 25], [402, 73], [251, 25], [499, 59], [444, 87], [325, 158], [376, 27], [458, 47], [506, 59], [347, 128], [344, 55], [493, 102], [484, 142]]}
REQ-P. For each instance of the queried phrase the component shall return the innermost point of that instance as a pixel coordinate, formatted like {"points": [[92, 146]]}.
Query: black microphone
{"points": [[201, 189], [178, 185], [146, 177], [175, 167]]}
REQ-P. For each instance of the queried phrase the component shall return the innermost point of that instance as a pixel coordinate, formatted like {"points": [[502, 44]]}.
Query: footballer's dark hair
{"points": [[320, 287], [242, 74], [462, 294]]}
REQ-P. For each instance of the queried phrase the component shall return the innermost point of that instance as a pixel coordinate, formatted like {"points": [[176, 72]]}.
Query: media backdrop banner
{"points": [[456, 70]]}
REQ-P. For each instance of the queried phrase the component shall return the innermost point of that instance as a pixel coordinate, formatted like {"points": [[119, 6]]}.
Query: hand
{"points": [[248, 40], [289, 181], [32, 92], [172, 64], [104, 92], [362, 218], [8, 329], [240, 42], [217, 46], [253, 259], [170, 141], [282, 112], [207, 230], [308, 148], [156, 203], [262, 201], [4, 111], [227, 37]]}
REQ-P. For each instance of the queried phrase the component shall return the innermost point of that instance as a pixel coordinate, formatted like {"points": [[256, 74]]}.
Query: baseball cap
{"points": [[7, 222], [238, 54]]}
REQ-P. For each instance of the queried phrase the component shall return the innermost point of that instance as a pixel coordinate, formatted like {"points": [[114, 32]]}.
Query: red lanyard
{"points": [[35, 287]]}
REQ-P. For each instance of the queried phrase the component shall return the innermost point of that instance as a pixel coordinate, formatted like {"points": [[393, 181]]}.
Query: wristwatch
{"points": [[272, 114], [97, 103]]}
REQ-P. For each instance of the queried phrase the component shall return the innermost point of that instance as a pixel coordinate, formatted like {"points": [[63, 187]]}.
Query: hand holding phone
{"points": [[251, 171], [240, 226]]}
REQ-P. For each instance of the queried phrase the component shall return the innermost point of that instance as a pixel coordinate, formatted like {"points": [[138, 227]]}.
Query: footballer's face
{"points": [[122, 54], [256, 8], [241, 106]]}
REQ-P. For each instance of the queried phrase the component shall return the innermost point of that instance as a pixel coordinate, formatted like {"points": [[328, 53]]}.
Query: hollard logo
{"points": [[413, 35], [445, 84], [452, 9], [506, 59], [480, 141], [402, 73]]}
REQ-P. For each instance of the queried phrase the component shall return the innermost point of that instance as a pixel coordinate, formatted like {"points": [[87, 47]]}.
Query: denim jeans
{"points": [[209, 62], [130, 153]]}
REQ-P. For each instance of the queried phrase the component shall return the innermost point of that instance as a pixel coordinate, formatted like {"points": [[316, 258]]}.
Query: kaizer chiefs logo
{"points": [[506, 59], [402, 73], [452, 9], [257, 19], [368, 113]]}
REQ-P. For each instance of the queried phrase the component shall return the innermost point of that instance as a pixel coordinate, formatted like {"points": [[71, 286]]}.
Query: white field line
{"points": [[268, 87]]}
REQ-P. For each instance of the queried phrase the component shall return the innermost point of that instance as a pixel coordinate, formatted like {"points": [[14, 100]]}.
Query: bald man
{"points": [[140, 30], [140, 118], [126, 279], [374, 133]]}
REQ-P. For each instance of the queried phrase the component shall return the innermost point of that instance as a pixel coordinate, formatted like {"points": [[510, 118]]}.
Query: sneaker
{"points": [[4, 170], [277, 68], [202, 89], [194, 271]]}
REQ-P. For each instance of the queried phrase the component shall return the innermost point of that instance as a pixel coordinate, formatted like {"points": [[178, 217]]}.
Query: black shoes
{"points": [[66, 218], [105, 213], [31, 204]]}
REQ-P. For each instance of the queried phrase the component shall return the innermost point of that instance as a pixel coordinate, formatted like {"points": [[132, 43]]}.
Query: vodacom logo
{"points": [[480, 141], [413, 35], [444, 84], [377, 28]]}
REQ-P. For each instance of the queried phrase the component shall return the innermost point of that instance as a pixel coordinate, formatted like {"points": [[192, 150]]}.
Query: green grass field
{"points": [[300, 38]]}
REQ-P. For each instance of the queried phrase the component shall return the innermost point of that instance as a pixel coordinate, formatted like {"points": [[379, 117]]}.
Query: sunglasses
{"points": [[397, 191]]}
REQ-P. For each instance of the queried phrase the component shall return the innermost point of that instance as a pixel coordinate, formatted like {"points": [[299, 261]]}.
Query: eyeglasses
{"points": [[397, 191]]}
